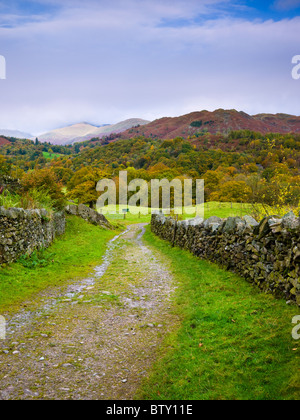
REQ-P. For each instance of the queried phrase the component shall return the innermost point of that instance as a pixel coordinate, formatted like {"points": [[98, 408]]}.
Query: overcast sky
{"points": [[103, 61]]}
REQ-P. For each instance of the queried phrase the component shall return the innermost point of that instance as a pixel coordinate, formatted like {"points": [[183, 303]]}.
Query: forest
{"points": [[243, 166]]}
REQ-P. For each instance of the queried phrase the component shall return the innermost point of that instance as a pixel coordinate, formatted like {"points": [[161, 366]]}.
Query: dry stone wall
{"points": [[266, 253], [89, 215], [9, 183], [24, 231]]}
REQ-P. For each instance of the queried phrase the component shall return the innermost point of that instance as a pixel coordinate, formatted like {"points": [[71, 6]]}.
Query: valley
{"points": [[119, 314]]}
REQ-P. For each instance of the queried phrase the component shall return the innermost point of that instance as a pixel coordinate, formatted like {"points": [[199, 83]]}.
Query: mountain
{"points": [[78, 133], [65, 135], [112, 129], [15, 133], [221, 120]]}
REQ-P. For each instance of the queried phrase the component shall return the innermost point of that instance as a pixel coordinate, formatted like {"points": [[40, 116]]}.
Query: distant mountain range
{"points": [[66, 135], [15, 133], [221, 120], [78, 133]]}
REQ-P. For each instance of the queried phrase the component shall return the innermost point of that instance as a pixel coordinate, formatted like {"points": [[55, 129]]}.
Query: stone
{"points": [[290, 221], [215, 226], [263, 228], [233, 223], [212, 221], [250, 221], [197, 221]]}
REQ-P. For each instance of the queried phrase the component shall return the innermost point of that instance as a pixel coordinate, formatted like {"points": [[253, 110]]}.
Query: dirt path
{"points": [[96, 340]]}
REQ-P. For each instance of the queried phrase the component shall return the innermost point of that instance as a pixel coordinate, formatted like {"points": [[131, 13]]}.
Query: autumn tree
{"points": [[82, 186], [46, 181], [232, 191], [4, 166]]}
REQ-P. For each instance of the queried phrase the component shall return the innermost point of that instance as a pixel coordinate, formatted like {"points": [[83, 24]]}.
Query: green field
{"points": [[222, 210], [234, 342], [51, 156]]}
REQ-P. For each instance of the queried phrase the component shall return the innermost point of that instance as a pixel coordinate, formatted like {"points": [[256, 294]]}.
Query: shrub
{"points": [[44, 187], [196, 124], [37, 259]]}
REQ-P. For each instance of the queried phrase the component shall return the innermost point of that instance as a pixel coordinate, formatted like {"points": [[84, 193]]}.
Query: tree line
{"points": [[242, 166]]}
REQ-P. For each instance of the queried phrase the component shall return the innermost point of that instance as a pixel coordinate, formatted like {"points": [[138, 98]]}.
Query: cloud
{"points": [[287, 4], [151, 11], [107, 61]]}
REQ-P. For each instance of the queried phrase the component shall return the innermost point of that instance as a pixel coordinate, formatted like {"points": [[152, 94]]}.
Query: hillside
{"points": [[222, 121], [187, 126], [4, 141], [111, 129], [65, 135], [81, 132]]}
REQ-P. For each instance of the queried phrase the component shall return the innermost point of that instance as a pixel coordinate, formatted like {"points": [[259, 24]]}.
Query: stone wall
{"points": [[24, 231], [89, 215], [266, 253], [9, 183]]}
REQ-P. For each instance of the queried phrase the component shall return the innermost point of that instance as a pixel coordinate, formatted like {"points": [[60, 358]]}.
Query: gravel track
{"points": [[99, 337]]}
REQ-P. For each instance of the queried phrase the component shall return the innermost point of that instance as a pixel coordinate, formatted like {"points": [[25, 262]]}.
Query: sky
{"points": [[103, 61]]}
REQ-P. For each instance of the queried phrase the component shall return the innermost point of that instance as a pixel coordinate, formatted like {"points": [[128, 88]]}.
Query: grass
{"points": [[234, 343], [73, 255], [225, 210], [51, 156], [9, 200], [36, 199]]}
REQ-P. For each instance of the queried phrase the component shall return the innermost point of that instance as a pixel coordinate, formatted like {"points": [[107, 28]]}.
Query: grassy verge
{"points": [[71, 256], [234, 342]]}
